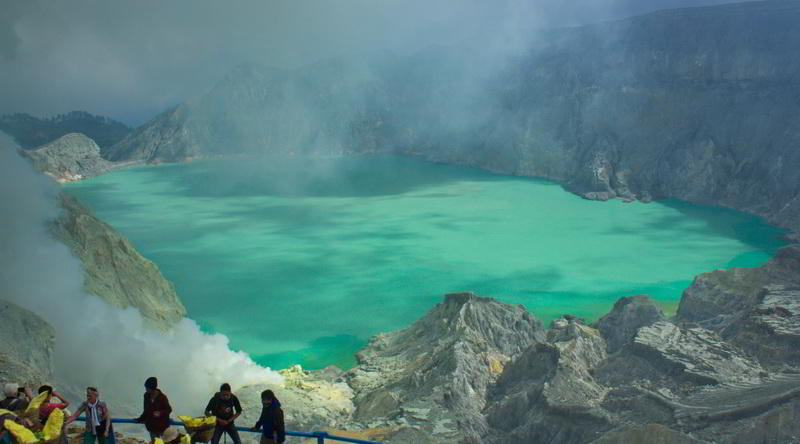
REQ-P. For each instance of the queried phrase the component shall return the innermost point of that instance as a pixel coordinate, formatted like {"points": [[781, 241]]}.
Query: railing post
{"points": [[320, 436]]}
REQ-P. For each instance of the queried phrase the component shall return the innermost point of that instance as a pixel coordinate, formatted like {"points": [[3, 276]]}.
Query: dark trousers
{"points": [[230, 429]]}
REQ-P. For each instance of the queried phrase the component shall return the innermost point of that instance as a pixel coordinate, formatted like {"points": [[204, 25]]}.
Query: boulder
{"points": [[629, 314]]}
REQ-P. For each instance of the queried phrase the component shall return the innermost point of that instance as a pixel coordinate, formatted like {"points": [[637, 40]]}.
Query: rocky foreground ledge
{"points": [[724, 370]]}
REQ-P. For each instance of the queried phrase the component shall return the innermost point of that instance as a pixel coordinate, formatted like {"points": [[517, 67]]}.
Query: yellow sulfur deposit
{"points": [[20, 433], [36, 402], [199, 422], [52, 428]]}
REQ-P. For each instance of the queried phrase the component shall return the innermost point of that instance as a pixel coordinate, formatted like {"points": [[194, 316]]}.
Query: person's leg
{"points": [[217, 434], [88, 437], [265, 440], [154, 435], [234, 434]]}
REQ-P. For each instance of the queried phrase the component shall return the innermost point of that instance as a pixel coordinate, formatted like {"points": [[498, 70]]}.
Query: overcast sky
{"points": [[130, 60]]}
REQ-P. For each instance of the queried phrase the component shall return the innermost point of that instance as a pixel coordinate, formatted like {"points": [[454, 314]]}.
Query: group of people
{"points": [[224, 406]]}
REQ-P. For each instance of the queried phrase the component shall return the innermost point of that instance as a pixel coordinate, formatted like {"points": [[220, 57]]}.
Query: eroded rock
{"points": [[695, 353], [620, 325], [26, 346], [434, 375], [114, 270]]}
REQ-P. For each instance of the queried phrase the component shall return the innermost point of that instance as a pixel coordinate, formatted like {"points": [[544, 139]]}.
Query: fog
{"points": [[131, 60], [97, 344]]}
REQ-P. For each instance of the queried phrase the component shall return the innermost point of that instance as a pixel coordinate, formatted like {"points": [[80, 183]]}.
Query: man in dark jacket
{"points": [[225, 406], [271, 419], [156, 409]]}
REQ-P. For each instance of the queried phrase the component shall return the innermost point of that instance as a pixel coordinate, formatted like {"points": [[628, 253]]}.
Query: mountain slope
{"points": [[698, 104]]}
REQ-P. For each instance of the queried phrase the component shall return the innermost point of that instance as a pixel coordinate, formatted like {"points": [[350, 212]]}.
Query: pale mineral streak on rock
{"points": [[697, 353]]}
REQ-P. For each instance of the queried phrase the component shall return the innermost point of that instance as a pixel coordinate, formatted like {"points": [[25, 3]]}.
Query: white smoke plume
{"points": [[97, 344]]}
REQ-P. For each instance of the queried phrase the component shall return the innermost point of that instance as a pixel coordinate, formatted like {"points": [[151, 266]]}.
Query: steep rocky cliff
{"points": [[70, 157], [698, 104], [430, 380], [756, 308], [477, 370], [26, 346], [114, 270]]}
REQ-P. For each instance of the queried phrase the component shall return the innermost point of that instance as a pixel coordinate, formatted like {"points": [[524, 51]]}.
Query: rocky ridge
{"points": [[70, 157], [114, 270], [430, 380], [695, 104], [477, 370]]}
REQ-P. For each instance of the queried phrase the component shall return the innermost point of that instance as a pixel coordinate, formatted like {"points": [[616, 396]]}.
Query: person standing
{"points": [[98, 418], [156, 409], [225, 406], [271, 419]]}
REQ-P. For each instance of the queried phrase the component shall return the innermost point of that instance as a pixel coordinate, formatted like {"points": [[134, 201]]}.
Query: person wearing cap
{"points": [[98, 418], [17, 398], [156, 409], [225, 406]]}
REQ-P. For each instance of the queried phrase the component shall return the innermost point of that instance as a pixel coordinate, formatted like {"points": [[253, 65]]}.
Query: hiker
{"points": [[98, 418], [17, 398], [47, 407], [271, 419], [225, 406], [156, 409]]}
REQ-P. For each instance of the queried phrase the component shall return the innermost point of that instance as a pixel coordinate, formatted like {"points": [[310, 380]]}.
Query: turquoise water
{"points": [[300, 260]]}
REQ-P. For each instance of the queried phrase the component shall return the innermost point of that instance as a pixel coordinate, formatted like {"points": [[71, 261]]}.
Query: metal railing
{"points": [[320, 436]]}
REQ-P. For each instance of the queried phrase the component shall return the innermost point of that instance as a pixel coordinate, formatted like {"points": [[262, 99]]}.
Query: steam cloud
{"points": [[97, 344], [132, 60]]}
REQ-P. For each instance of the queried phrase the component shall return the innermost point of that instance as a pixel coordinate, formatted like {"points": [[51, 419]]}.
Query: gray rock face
{"points": [[548, 394], [68, 158], [476, 370], [695, 353], [26, 346], [649, 434], [629, 314], [754, 308], [434, 375], [114, 270], [696, 104]]}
